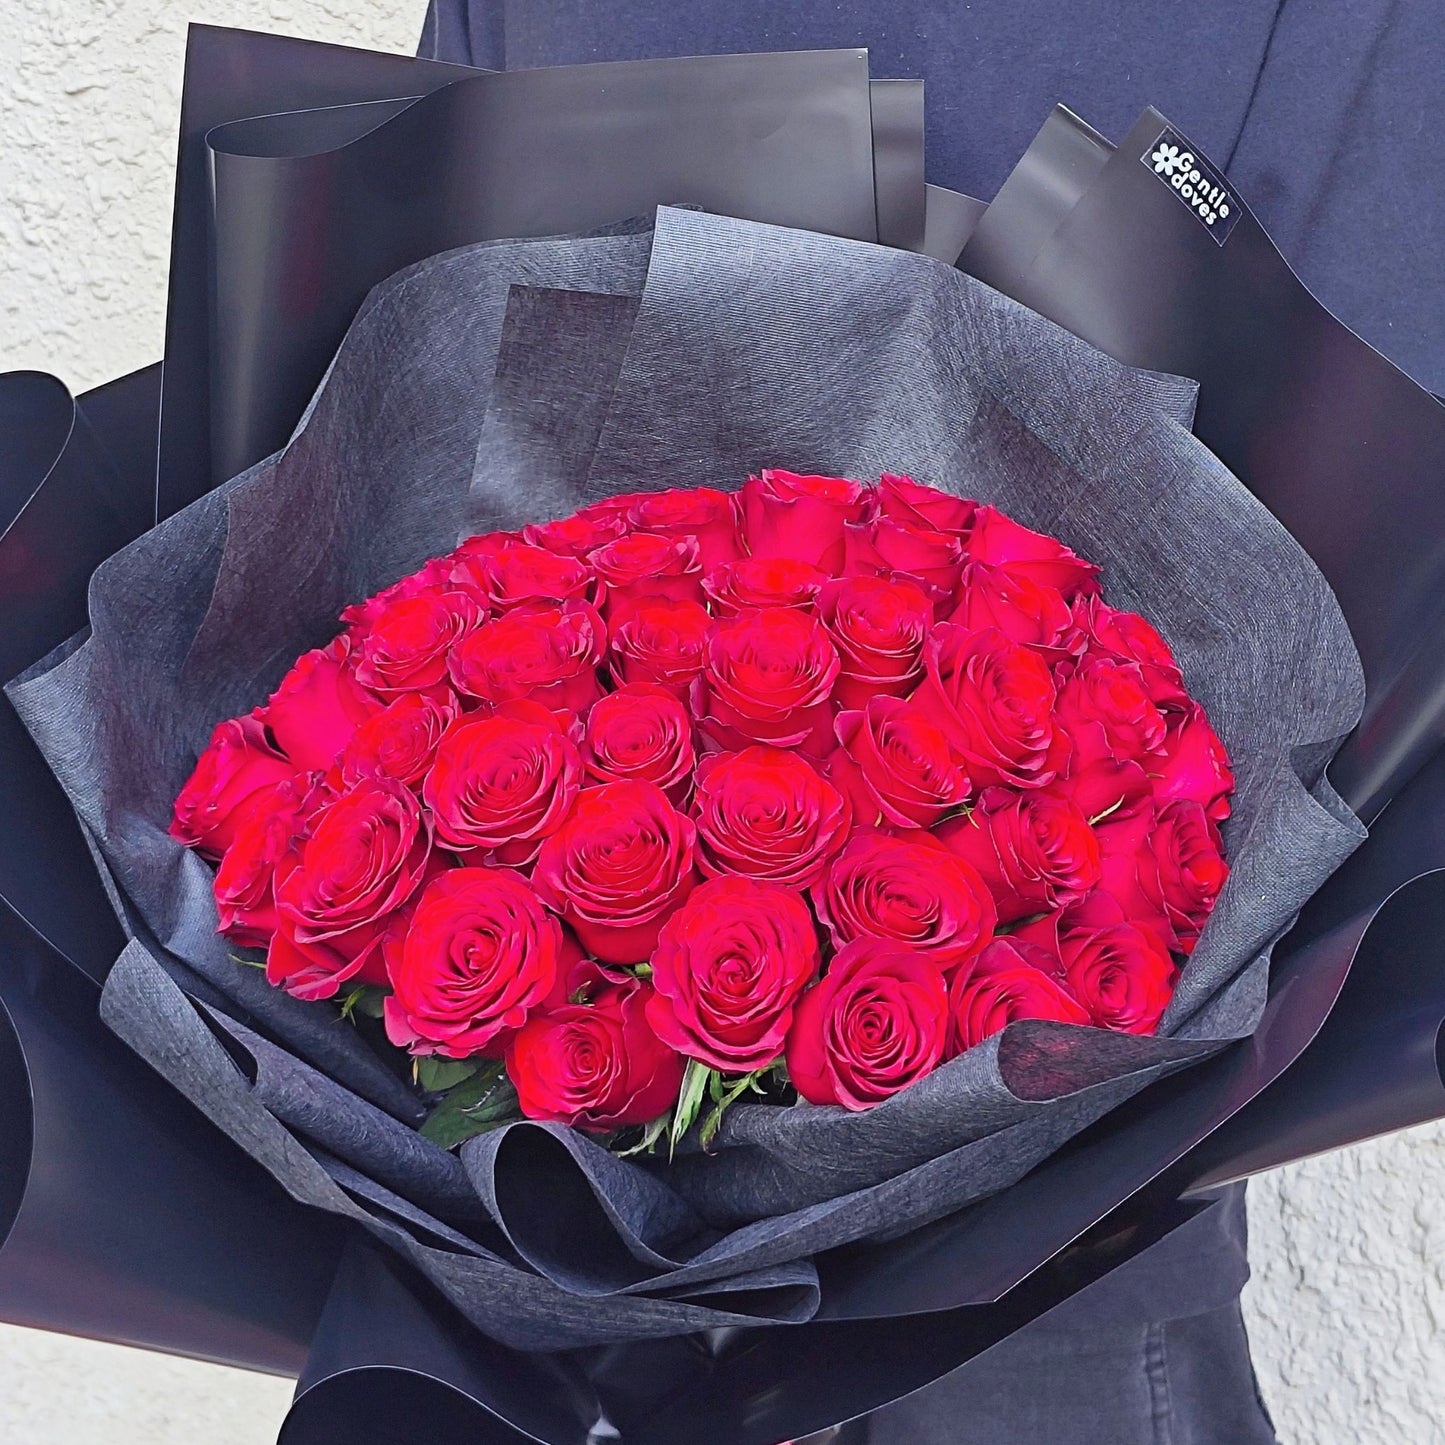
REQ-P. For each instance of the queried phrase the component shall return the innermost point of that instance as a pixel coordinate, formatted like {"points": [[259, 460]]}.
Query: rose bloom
{"points": [[1011, 980], [400, 741], [880, 545], [728, 968], [407, 648], [925, 508], [999, 541], [879, 626], [1022, 609], [1194, 764], [641, 732], [1166, 868], [910, 890], [1035, 851], [360, 616], [595, 1065], [238, 763], [502, 782], [896, 766], [755, 582], [644, 565], [579, 534], [787, 515], [767, 814], [662, 643], [618, 867], [875, 1023], [270, 823], [994, 700], [521, 574], [547, 655], [319, 705], [767, 678], [368, 851], [703, 513], [1127, 637], [479, 955]]}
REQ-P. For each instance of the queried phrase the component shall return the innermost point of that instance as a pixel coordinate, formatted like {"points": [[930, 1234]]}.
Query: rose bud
{"points": [[238, 762], [520, 574], [661, 643], [999, 541], [767, 814], [1035, 851], [787, 515], [547, 655], [1117, 735], [881, 546], [1194, 763], [767, 678], [270, 823], [641, 732], [875, 1023], [896, 766], [1165, 866], [581, 533], [502, 782], [479, 955], [1022, 609], [644, 565], [879, 626], [1120, 972], [924, 508], [909, 890], [368, 851], [400, 741], [407, 648], [754, 582], [703, 513], [1010, 980], [596, 1065], [319, 705], [619, 866], [728, 968], [1127, 637], [994, 700]]}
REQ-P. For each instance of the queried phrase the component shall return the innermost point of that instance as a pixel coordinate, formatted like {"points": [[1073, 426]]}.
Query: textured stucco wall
{"points": [[1347, 1309]]}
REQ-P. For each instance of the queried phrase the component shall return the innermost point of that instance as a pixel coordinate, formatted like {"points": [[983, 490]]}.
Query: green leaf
{"points": [[477, 1105], [365, 999], [650, 1136], [689, 1101], [247, 962], [436, 1075], [713, 1122]]}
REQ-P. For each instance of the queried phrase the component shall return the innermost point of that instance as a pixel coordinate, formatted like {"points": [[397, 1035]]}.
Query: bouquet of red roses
{"points": [[806, 787]]}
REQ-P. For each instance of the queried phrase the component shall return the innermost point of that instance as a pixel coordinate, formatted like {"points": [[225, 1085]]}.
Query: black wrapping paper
{"points": [[968, 391]]}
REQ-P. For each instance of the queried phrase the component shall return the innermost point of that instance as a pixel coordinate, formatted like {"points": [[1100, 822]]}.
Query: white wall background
{"points": [[1347, 1307]]}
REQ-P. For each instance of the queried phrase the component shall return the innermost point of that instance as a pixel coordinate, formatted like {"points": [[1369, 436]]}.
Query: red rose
{"points": [[547, 655], [407, 648], [1194, 764], [645, 565], [662, 643], [787, 515], [480, 954], [1166, 867], [1011, 980], [400, 741], [880, 545], [999, 541], [875, 1023], [319, 705], [764, 813], [908, 890], [238, 763], [579, 534], [896, 764], [703, 513], [926, 508], [642, 732], [1035, 851], [767, 678], [502, 782], [595, 1065], [520, 574], [1117, 733], [360, 616], [1127, 637], [994, 700], [753, 582], [270, 823], [728, 968], [1022, 609], [618, 867], [879, 626], [368, 851]]}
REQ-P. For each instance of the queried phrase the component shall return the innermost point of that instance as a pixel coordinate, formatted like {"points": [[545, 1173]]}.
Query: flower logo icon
{"points": [[1167, 160]]}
